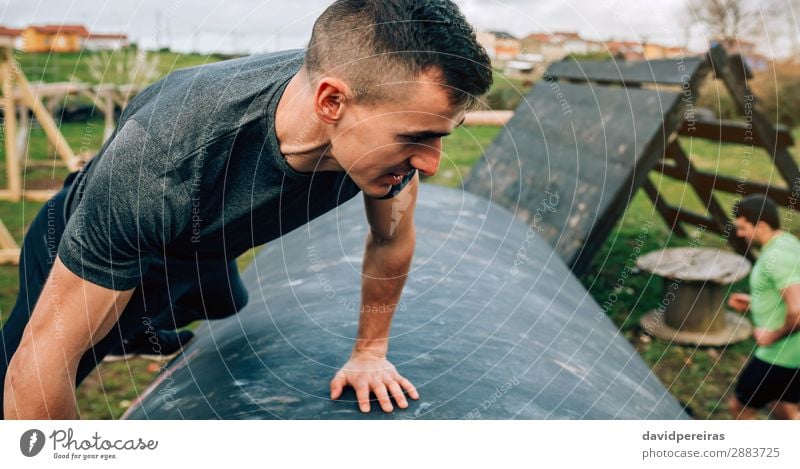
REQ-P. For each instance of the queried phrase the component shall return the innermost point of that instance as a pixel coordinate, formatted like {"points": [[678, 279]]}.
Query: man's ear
{"points": [[330, 99]]}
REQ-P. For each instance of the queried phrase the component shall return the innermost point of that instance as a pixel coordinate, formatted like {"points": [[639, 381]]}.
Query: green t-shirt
{"points": [[777, 267]]}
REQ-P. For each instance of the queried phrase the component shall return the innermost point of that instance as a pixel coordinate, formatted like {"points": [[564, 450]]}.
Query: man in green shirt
{"points": [[772, 376]]}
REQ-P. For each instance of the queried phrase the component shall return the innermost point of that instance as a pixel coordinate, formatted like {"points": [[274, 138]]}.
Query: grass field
{"points": [[699, 377], [120, 67]]}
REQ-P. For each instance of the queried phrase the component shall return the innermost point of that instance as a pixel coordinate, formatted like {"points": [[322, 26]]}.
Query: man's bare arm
{"points": [[387, 259], [40, 382]]}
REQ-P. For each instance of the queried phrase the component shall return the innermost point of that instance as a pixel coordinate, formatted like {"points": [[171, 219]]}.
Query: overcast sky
{"points": [[263, 25]]}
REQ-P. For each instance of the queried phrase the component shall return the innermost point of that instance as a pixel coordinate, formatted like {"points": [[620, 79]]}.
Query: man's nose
{"points": [[426, 158]]}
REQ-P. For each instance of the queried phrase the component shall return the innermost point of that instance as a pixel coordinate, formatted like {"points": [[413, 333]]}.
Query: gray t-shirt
{"points": [[193, 177]]}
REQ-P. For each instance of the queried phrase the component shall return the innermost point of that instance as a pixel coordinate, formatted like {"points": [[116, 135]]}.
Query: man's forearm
{"points": [[31, 395], [386, 265], [790, 326]]}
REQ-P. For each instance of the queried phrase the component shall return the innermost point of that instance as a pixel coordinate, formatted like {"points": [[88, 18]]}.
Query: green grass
{"points": [[460, 151]]}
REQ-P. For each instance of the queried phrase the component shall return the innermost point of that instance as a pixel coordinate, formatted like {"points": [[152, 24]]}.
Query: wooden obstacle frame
{"points": [[20, 100], [590, 132]]}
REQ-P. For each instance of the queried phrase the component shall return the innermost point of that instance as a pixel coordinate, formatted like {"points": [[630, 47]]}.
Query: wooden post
{"points": [[765, 133], [108, 111], [23, 135], [10, 123]]}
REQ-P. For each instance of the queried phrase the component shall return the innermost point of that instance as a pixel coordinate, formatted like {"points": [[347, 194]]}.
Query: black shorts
{"points": [[761, 383]]}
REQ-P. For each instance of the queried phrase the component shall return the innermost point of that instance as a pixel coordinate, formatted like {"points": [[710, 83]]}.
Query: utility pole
{"points": [[158, 29]]}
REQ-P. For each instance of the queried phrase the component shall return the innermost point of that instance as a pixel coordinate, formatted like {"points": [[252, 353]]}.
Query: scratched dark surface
{"points": [[566, 161], [480, 336], [662, 71]]}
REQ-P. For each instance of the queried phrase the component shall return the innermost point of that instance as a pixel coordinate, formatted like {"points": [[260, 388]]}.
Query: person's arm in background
{"points": [[387, 259], [740, 302], [791, 296], [40, 383]]}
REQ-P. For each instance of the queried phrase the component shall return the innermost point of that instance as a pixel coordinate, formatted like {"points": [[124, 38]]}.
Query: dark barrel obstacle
{"points": [[491, 325]]}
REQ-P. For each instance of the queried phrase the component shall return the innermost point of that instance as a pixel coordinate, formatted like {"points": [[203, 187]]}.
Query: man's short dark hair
{"points": [[755, 208], [376, 44]]}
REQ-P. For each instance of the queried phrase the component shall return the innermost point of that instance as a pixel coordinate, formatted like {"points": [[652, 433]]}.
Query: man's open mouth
{"points": [[395, 178]]}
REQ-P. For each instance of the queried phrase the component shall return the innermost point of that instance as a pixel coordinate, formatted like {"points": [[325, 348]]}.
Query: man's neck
{"points": [[301, 135], [769, 236]]}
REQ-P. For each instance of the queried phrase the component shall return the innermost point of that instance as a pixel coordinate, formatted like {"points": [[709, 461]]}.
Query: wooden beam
{"points": [[13, 172], [734, 186], [23, 134], [732, 132], [49, 164], [37, 195], [108, 111], [695, 219], [9, 256]]}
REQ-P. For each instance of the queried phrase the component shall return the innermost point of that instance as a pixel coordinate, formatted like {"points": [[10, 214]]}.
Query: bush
{"points": [[777, 90]]}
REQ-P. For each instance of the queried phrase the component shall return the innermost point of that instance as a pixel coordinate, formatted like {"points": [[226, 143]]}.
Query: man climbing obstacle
{"points": [[213, 160]]}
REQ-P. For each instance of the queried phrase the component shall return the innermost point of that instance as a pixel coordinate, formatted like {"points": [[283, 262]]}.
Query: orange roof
{"points": [[554, 37], [78, 29], [9, 31], [563, 35], [538, 36]]}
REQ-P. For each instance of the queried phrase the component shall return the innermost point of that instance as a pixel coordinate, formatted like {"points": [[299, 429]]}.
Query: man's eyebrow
{"points": [[425, 134]]}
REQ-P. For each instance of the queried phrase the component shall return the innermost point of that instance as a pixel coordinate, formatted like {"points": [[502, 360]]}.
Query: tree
{"points": [[729, 20]]}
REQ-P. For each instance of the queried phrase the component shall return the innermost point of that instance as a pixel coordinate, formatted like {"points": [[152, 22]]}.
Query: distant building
{"points": [[543, 44], [500, 45], [488, 41], [656, 51], [54, 38], [68, 38], [11, 37], [557, 45], [626, 50]]}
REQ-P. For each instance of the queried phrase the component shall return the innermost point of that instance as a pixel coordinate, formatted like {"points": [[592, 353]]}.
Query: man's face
{"points": [[378, 143], [745, 230]]}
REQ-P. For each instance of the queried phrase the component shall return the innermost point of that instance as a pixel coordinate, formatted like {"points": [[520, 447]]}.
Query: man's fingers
{"points": [[362, 393], [337, 385], [397, 393], [410, 389], [383, 397]]}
